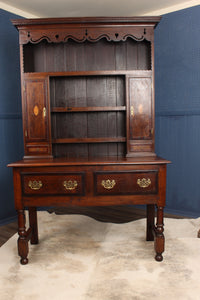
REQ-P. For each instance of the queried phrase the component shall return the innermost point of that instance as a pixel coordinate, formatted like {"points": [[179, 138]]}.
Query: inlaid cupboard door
{"points": [[140, 124], [36, 112]]}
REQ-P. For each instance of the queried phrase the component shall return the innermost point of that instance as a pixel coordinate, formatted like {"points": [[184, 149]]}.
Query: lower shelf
{"points": [[89, 140]]}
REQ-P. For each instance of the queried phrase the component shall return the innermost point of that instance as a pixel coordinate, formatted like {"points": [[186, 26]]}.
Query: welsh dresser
{"points": [[87, 89]]}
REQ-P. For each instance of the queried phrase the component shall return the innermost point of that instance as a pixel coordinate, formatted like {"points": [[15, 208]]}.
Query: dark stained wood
{"points": [[88, 115], [78, 94]]}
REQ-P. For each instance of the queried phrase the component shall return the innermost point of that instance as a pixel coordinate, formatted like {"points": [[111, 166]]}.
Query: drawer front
{"points": [[126, 183], [53, 184]]}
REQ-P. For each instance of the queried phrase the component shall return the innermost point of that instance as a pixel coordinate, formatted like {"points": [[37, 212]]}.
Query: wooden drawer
{"points": [[126, 183], [53, 184]]}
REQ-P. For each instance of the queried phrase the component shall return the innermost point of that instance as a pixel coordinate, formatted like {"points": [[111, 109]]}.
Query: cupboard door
{"points": [[140, 115], [36, 116], [36, 110]]}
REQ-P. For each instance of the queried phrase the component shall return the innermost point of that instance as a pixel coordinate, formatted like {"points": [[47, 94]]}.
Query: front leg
{"points": [[159, 236], [33, 224], [22, 240], [150, 222]]}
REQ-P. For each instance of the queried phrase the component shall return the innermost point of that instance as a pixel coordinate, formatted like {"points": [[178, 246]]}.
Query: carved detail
{"points": [[109, 33]]}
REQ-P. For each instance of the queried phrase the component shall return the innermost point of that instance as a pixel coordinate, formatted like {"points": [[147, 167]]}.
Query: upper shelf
{"points": [[87, 56]]}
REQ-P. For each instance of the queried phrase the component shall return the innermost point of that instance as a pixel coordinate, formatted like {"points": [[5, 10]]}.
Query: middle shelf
{"points": [[88, 109]]}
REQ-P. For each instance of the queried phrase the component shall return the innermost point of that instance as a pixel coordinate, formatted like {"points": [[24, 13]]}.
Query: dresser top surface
{"points": [[84, 161]]}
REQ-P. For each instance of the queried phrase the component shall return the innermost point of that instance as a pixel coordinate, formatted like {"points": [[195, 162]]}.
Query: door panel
{"points": [[36, 119], [140, 108]]}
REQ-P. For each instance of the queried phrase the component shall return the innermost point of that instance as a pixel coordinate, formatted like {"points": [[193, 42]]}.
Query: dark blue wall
{"points": [[11, 141], [177, 77]]}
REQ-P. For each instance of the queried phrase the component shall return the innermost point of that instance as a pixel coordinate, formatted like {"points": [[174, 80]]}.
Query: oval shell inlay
{"points": [[36, 110], [140, 109]]}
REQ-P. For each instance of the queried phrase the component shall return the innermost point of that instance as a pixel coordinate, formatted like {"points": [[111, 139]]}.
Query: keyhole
{"points": [[116, 35]]}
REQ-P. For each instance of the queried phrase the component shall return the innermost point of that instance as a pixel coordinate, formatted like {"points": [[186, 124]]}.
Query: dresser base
{"points": [[61, 183]]}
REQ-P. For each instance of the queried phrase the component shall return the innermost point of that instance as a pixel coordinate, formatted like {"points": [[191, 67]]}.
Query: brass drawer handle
{"points": [[35, 185], [108, 184], [144, 182], [70, 185]]}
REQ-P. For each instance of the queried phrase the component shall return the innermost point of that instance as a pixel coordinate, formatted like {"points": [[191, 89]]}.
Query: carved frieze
{"points": [[116, 34]]}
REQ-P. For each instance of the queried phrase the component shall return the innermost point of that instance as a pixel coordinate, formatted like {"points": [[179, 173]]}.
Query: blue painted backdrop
{"points": [[177, 77], [11, 142]]}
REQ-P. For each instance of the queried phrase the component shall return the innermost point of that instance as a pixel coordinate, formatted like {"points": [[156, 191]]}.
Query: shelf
{"points": [[88, 140], [88, 109], [133, 73]]}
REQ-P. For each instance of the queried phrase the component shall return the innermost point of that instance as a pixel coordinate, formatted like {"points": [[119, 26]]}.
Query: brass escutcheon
{"points": [[108, 184], [35, 185], [144, 182], [132, 111], [70, 185], [44, 112]]}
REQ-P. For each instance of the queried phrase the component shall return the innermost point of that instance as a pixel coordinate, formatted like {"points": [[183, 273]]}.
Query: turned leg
{"points": [[159, 239], [33, 225], [22, 240], [150, 222]]}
